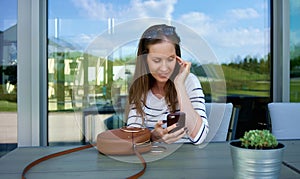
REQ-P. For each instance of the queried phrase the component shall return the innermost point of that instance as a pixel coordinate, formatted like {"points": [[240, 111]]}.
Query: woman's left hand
{"points": [[183, 72], [169, 138], [160, 134]]}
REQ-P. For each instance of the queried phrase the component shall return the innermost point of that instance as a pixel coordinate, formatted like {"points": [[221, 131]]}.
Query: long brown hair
{"points": [[143, 81]]}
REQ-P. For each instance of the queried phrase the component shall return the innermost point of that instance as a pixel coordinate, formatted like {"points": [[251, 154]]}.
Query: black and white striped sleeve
{"points": [[134, 119]]}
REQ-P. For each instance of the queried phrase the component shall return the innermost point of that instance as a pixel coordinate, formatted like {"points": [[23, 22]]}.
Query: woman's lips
{"points": [[163, 75]]}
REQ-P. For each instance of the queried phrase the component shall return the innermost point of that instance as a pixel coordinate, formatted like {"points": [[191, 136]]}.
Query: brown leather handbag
{"points": [[122, 141]]}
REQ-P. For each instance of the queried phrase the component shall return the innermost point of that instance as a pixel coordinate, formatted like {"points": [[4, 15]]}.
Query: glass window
{"points": [[294, 51], [8, 75], [91, 57]]}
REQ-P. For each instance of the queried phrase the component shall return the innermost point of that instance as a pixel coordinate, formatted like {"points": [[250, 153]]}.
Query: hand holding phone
{"points": [[177, 117]]}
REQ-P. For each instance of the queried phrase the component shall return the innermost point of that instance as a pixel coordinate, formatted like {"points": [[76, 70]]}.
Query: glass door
{"points": [[92, 47]]}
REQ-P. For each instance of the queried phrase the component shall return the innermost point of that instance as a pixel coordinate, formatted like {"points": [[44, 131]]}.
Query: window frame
{"points": [[32, 73], [280, 50]]}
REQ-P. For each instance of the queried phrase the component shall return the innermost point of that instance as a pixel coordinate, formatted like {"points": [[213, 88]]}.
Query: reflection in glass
{"points": [[8, 76], [238, 32], [294, 51]]}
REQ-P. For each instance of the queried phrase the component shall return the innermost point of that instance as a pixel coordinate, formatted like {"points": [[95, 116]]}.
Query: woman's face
{"points": [[161, 60]]}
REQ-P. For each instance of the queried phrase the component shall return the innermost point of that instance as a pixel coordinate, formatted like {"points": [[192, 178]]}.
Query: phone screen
{"points": [[177, 117]]}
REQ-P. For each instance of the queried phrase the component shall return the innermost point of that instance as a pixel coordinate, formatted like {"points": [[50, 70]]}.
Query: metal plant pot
{"points": [[256, 163]]}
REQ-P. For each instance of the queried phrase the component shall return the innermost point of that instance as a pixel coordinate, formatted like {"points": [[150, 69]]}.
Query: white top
{"points": [[157, 109]]}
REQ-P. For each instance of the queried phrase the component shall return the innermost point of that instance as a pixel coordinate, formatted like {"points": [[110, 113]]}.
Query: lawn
{"points": [[242, 82], [6, 106], [295, 90]]}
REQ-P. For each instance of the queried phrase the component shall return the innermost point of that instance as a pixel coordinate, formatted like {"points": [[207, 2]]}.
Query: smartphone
{"points": [[177, 117]]}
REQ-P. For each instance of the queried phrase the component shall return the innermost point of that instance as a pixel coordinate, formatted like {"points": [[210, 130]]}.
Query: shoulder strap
{"points": [[32, 164], [35, 162], [140, 173]]}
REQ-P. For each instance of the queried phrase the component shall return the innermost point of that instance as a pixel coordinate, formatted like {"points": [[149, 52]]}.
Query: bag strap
{"points": [[35, 162], [32, 164], [140, 173]]}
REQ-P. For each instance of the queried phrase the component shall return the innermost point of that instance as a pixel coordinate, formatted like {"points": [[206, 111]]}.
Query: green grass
{"points": [[295, 90], [244, 75], [242, 82], [6, 106], [248, 93]]}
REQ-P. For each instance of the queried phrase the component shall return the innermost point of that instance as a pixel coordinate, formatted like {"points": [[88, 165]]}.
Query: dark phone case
{"points": [[177, 117]]}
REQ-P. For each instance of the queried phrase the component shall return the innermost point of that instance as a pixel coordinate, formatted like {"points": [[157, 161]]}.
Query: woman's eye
{"points": [[156, 60], [171, 59]]}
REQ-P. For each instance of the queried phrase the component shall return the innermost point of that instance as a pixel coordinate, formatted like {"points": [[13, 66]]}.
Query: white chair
{"points": [[218, 116], [285, 120]]}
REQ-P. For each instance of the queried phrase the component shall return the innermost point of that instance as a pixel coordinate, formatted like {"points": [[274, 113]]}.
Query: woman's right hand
{"points": [[160, 134], [183, 72]]}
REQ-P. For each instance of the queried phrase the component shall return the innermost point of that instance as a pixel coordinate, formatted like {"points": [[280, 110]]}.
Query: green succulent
{"points": [[259, 139]]}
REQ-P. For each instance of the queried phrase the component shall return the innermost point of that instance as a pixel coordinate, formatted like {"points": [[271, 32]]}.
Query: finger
{"points": [[179, 132], [184, 65], [169, 138], [188, 66], [180, 60], [158, 124], [173, 137], [169, 128]]}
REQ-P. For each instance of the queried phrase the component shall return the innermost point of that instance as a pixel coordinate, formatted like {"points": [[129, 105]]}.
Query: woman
{"points": [[163, 84]]}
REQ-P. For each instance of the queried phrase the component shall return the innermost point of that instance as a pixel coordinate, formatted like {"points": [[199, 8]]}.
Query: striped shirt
{"points": [[157, 109]]}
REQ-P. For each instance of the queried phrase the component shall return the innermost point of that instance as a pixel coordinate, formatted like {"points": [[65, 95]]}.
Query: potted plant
{"points": [[256, 155]]}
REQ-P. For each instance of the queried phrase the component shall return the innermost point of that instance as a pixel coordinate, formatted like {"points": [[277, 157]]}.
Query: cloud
{"points": [[295, 6], [152, 8], [200, 22], [221, 31], [248, 13], [224, 33], [242, 42], [93, 9], [238, 37], [136, 9], [294, 37], [226, 38]]}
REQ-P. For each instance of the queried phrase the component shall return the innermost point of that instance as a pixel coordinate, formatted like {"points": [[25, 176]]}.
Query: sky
{"points": [[229, 28]]}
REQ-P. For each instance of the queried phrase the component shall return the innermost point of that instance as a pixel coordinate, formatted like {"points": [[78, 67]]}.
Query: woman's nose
{"points": [[164, 66]]}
